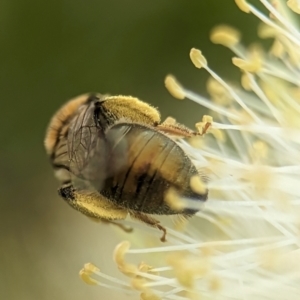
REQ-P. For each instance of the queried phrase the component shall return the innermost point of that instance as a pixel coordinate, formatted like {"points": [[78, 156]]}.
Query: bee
{"points": [[113, 157]]}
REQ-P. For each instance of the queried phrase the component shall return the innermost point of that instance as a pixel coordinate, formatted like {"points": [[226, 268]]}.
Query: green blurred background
{"points": [[54, 50]]}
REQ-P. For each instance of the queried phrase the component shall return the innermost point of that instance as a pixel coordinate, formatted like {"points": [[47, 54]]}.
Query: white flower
{"points": [[245, 242]]}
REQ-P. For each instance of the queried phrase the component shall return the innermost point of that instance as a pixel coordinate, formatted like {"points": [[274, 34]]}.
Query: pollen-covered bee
{"points": [[114, 157]]}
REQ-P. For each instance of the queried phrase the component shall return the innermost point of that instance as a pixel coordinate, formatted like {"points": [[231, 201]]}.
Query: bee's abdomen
{"points": [[153, 164]]}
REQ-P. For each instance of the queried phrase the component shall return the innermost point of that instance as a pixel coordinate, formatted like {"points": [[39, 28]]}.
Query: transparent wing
{"points": [[91, 150]]}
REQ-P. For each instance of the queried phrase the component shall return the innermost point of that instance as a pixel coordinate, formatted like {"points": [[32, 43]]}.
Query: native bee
{"points": [[114, 157]]}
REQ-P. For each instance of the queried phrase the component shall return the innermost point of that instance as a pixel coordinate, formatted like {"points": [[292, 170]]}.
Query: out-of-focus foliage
{"points": [[51, 51]]}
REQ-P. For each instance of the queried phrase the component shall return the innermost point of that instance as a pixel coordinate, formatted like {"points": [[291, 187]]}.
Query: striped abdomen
{"points": [[149, 163]]}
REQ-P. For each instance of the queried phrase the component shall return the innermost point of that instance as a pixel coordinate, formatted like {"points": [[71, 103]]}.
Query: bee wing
{"points": [[92, 152], [84, 140]]}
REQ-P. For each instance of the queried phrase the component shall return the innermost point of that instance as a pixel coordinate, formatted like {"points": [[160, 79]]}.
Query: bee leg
{"points": [[94, 205], [170, 126], [150, 221], [121, 226]]}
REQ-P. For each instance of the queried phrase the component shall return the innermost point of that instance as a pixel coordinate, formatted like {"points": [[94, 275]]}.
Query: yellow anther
{"points": [[214, 87], [85, 276], [120, 251], [143, 267], [260, 150], [218, 134], [187, 269], [294, 5], [225, 35], [248, 66], [174, 88], [197, 185], [218, 92], [173, 200], [197, 58], [119, 258], [91, 268], [243, 6], [277, 49], [245, 81], [205, 124], [265, 31], [207, 119], [138, 284]]}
